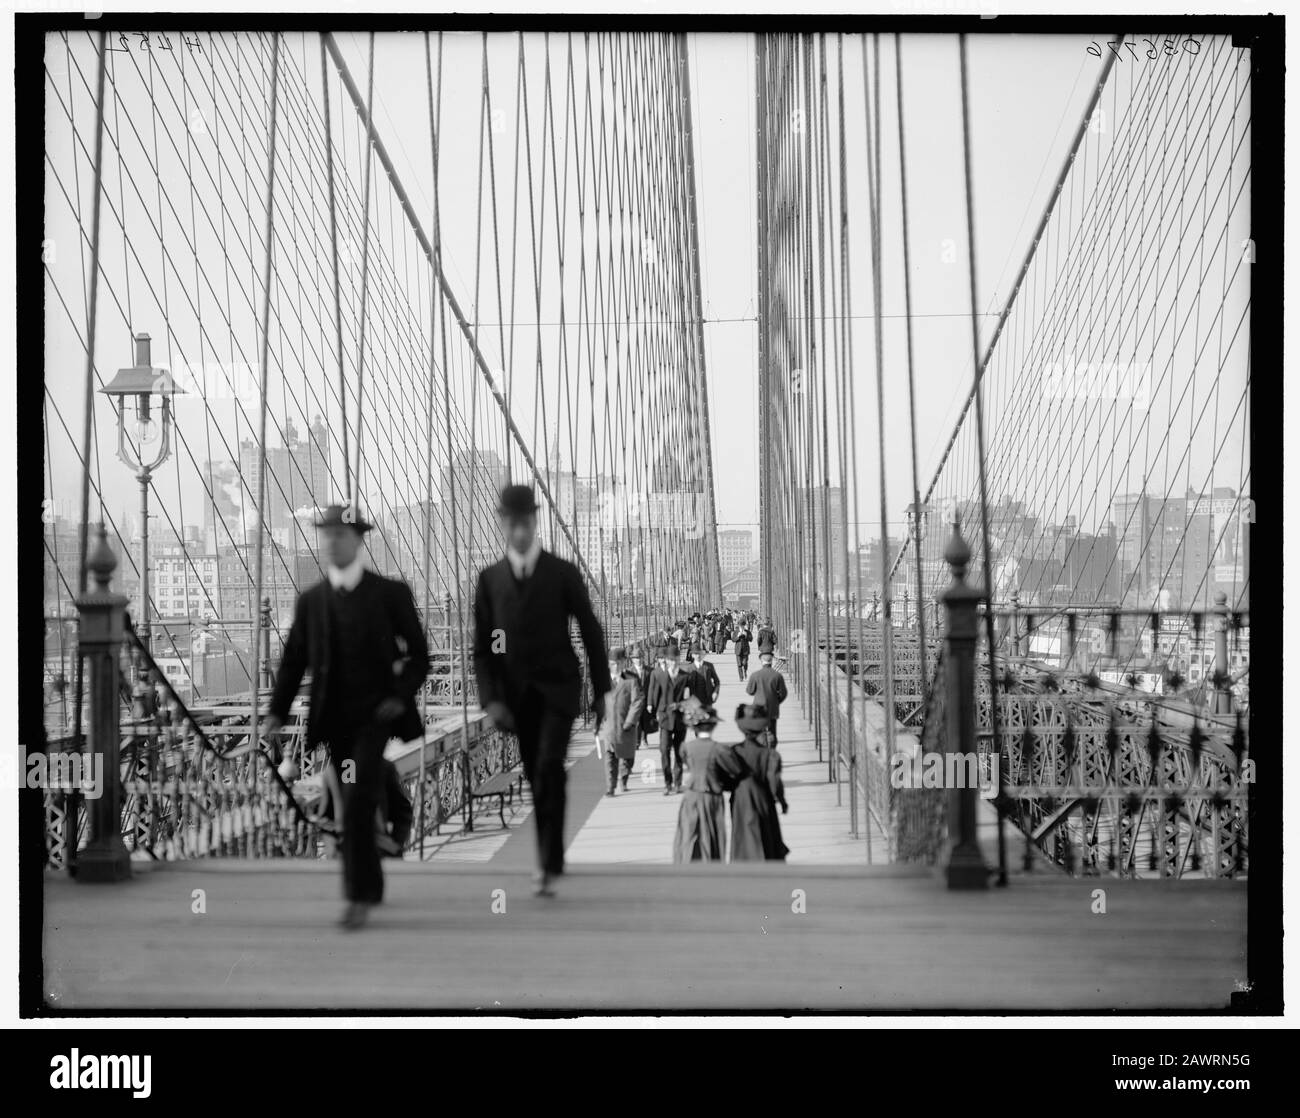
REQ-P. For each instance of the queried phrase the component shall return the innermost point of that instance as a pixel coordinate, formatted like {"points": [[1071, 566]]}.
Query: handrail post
{"points": [[1015, 623], [264, 620], [1222, 674], [102, 630], [966, 868]]}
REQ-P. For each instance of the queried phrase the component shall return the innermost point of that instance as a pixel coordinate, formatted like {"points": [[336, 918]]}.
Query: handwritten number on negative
{"points": [[1190, 46], [164, 43]]}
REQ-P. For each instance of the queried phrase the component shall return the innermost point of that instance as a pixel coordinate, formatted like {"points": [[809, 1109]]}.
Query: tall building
{"points": [[184, 577], [1176, 552], [478, 476], [826, 532], [297, 476], [735, 550]]}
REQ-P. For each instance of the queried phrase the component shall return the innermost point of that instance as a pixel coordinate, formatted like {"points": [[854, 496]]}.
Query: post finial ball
{"points": [[101, 562], [957, 551]]}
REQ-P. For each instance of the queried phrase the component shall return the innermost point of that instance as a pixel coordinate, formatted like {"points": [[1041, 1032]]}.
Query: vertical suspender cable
{"points": [[911, 380], [264, 375], [428, 448], [760, 138], [886, 597], [365, 272], [979, 434], [848, 432], [449, 296], [1030, 254], [334, 259], [88, 419]]}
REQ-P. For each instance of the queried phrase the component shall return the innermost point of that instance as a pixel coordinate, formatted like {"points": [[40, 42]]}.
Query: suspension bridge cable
{"points": [[979, 433], [264, 369]]}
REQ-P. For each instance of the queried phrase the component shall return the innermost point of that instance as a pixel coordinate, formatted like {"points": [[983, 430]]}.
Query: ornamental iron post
{"points": [[102, 630], [1015, 623], [966, 868], [264, 620], [1222, 675]]}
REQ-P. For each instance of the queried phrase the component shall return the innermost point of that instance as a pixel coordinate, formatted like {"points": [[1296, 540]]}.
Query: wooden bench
{"points": [[501, 785]]}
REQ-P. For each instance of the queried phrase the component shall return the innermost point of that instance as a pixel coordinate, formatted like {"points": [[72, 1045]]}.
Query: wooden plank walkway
{"points": [[648, 938]]}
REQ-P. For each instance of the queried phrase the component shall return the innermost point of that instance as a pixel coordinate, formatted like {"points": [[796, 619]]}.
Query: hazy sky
{"points": [[1028, 93], [1027, 97]]}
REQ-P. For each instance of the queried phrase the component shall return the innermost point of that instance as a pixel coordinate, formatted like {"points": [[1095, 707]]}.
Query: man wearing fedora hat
{"points": [[529, 677], [359, 634]]}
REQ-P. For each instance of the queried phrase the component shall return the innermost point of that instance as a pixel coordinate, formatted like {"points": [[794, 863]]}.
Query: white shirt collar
{"points": [[345, 578], [524, 564]]}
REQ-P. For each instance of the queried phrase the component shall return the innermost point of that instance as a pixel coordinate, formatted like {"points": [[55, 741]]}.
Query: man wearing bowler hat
{"points": [[767, 685], [529, 677], [359, 634]]}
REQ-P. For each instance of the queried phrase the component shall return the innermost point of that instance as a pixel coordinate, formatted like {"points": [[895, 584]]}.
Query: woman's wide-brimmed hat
{"points": [[696, 714], [752, 717], [341, 516]]}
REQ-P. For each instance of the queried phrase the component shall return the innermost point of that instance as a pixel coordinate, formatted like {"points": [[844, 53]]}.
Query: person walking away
{"points": [[708, 684], [529, 677], [755, 825], [622, 725], [360, 636], [767, 685], [742, 653], [669, 686], [711, 771]]}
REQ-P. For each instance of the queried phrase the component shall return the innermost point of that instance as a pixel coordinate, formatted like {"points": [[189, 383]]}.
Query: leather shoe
{"points": [[354, 916]]}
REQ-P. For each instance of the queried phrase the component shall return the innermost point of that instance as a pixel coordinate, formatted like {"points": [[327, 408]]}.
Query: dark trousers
{"points": [[771, 733], [362, 786], [742, 664], [615, 766], [543, 743], [670, 752]]}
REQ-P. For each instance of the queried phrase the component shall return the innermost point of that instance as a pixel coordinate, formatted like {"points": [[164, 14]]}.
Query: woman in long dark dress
{"points": [[755, 824], [710, 771]]}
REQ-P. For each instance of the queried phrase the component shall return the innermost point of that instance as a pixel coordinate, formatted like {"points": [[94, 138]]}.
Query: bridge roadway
{"points": [[461, 931]]}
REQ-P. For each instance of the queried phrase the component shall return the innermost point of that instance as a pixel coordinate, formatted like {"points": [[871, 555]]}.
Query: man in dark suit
{"points": [[742, 652], [708, 685], [529, 677], [670, 685], [767, 685], [360, 636]]}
